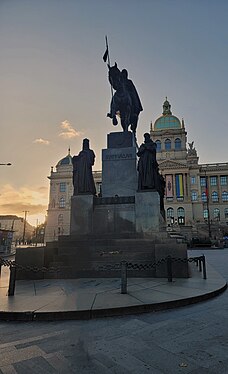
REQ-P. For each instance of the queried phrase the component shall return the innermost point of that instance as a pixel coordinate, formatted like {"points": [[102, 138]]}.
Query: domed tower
{"points": [[170, 136], [61, 190], [179, 166]]}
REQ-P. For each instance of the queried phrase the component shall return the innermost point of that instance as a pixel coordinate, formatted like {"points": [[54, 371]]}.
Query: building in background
{"points": [[196, 198], [20, 228], [6, 238]]}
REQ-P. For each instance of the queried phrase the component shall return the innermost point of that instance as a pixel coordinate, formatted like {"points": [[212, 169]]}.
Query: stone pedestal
{"points": [[81, 221], [119, 165], [147, 212]]}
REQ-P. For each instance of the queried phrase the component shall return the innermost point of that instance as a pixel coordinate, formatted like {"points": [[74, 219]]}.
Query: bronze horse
{"points": [[125, 102]]}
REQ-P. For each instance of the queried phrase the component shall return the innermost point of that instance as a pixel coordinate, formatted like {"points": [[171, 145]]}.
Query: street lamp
{"points": [[207, 202]]}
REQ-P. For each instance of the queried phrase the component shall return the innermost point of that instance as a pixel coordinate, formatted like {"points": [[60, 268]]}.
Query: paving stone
{"points": [[192, 339]]}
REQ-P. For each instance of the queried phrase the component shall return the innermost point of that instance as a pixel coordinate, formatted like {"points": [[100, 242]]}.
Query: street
{"points": [[192, 339]]}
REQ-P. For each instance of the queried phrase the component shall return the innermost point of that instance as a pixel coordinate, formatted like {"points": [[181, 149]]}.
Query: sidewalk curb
{"points": [[32, 316]]}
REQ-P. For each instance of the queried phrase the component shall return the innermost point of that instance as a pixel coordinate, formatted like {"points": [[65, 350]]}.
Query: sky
{"points": [[54, 88]]}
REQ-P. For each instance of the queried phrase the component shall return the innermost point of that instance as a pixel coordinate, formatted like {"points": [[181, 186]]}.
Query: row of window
{"points": [[213, 180], [214, 196], [168, 144], [203, 180], [216, 213], [181, 214], [194, 197]]}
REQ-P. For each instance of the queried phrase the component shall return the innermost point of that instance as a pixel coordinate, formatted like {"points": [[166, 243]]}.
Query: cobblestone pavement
{"points": [[192, 339]]}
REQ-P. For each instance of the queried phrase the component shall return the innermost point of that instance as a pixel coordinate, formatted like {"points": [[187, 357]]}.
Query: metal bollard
{"points": [[0, 270], [200, 264], [12, 281], [204, 267], [123, 277], [169, 268]]}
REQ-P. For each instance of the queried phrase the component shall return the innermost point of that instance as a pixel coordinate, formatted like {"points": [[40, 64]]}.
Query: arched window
{"points": [[60, 219], [170, 212], [194, 195], [170, 215], [62, 186], [177, 143], [204, 197], [167, 144], [225, 196], [214, 196], [181, 216], [62, 202], [216, 214], [205, 214], [226, 212], [158, 143]]}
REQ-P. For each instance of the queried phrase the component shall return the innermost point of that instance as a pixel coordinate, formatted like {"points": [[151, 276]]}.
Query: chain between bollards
{"points": [[123, 277]]}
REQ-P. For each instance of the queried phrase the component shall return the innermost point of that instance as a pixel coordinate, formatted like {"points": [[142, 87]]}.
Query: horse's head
{"points": [[114, 76]]}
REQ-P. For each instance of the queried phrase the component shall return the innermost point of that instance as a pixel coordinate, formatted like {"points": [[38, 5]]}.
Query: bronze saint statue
{"points": [[148, 177], [82, 170]]}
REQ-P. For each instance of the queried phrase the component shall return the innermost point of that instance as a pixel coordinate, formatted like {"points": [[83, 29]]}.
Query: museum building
{"points": [[196, 196]]}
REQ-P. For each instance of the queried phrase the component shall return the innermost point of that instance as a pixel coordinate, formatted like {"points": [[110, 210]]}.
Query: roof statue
{"points": [[191, 149], [166, 108]]}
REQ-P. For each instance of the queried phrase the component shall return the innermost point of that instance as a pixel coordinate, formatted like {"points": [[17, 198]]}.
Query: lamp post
{"points": [[207, 202], [25, 211]]}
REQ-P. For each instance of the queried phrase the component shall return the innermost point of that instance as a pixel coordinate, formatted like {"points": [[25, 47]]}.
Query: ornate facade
{"points": [[196, 199]]}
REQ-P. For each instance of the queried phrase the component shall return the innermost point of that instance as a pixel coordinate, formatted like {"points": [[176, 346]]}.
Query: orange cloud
{"points": [[41, 141], [68, 131], [15, 201]]}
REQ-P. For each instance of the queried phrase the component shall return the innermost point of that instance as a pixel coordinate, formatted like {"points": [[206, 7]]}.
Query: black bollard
{"points": [[124, 277], [169, 268], [200, 264], [204, 267], [12, 281]]}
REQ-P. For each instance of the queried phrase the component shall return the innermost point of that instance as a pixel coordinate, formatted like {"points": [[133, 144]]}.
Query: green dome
{"points": [[66, 160], [167, 122]]}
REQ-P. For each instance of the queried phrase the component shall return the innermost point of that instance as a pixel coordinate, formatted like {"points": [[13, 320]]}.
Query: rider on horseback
{"points": [[125, 102], [135, 100]]}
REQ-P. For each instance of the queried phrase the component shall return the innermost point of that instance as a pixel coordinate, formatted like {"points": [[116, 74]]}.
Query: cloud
{"points": [[15, 201], [68, 131], [41, 141]]}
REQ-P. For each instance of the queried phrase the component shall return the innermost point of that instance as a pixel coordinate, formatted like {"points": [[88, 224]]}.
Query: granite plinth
{"points": [[114, 218], [81, 214], [147, 212], [119, 174], [121, 140], [119, 165]]}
